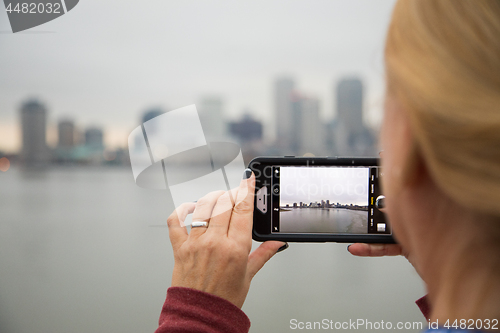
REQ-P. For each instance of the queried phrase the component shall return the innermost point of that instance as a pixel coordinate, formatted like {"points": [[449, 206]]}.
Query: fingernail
{"points": [[247, 173], [283, 248], [348, 247]]}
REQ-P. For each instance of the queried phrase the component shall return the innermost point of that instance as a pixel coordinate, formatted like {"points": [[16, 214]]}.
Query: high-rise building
{"points": [[66, 134], [306, 126], [34, 129], [283, 90], [246, 130], [311, 131], [210, 110], [349, 135], [350, 103], [152, 127], [151, 113], [94, 138]]}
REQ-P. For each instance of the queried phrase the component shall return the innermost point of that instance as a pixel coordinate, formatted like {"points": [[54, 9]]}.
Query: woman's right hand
{"points": [[216, 259]]}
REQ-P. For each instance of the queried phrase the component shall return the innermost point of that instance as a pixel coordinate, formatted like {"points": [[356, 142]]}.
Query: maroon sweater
{"points": [[189, 310]]}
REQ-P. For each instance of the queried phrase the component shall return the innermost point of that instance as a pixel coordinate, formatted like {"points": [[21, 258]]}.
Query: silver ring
{"points": [[197, 224]]}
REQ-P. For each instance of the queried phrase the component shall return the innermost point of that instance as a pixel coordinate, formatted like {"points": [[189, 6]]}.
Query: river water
{"points": [[86, 250], [324, 220]]}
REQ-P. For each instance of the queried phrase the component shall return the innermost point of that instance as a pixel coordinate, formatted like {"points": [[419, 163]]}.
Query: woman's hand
{"points": [[376, 250], [379, 250], [217, 259]]}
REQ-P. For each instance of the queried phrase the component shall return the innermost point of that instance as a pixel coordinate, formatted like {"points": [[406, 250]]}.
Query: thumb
{"points": [[261, 255]]}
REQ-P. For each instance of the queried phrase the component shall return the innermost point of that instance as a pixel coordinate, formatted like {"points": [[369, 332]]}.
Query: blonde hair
{"points": [[443, 65]]}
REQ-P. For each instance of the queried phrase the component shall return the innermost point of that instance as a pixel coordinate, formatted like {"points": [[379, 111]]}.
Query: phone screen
{"points": [[326, 200]]}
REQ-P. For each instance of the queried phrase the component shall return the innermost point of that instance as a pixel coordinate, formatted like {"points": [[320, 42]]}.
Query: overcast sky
{"points": [[105, 62], [311, 184]]}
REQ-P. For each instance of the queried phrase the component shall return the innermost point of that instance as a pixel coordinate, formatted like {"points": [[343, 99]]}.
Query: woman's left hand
{"points": [[217, 259]]}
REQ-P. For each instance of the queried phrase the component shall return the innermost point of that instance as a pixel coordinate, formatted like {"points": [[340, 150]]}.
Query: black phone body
{"points": [[318, 199]]}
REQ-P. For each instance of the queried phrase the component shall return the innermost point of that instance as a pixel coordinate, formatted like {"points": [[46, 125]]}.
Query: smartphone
{"points": [[319, 199]]}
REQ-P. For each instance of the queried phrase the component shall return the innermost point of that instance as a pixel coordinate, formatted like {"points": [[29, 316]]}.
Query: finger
{"points": [[203, 211], [375, 250], [261, 255], [221, 214], [176, 230], [240, 225]]}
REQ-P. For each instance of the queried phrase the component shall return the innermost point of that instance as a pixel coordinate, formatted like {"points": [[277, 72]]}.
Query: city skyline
{"points": [[323, 204], [308, 132], [83, 77], [305, 105]]}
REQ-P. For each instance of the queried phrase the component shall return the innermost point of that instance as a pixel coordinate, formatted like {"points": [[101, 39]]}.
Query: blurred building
{"points": [[248, 133], [311, 127], [92, 151], [66, 134], [151, 113], [94, 138], [350, 103], [66, 141], [246, 130], [283, 89], [211, 112], [34, 130], [349, 135], [306, 127], [153, 128]]}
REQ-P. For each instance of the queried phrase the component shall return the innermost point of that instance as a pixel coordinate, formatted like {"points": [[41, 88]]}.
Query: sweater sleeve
{"points": [[424, 306], [189, 310]]}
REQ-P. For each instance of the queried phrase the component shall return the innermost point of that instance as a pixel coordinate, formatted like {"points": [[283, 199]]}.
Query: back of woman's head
{"points": [[443, 66]]}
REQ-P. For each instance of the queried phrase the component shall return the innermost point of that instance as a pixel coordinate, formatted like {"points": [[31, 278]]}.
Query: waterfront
{"points": [[324, 220], [86, 250]]}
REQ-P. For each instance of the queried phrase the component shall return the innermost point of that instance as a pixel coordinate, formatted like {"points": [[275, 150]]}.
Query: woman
{"points": [[441, 141]]}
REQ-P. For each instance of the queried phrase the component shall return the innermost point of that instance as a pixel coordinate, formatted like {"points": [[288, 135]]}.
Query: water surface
{"points": [[323, 220], [86, 250]]}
